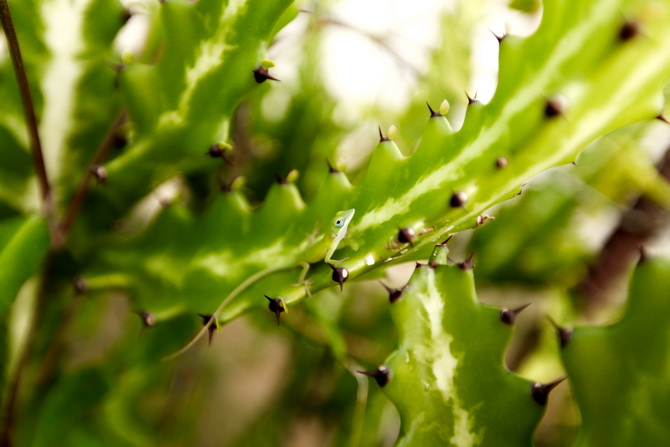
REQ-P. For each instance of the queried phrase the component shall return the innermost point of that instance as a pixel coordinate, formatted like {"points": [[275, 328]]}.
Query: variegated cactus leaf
{"points": [[447, 377], [619, 373], [572, 81]]}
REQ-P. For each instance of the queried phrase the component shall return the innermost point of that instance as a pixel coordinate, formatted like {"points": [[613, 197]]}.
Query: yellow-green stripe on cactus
{"points": [[447, 377], [575, 79]]}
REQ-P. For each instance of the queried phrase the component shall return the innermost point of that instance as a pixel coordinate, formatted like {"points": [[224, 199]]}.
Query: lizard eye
{"points": [[339, 223]]}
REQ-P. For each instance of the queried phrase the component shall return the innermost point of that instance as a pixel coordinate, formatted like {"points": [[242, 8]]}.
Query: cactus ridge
{"points": [[213, 253]]}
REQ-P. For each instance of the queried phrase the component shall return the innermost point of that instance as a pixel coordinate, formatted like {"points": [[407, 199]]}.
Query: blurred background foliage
{"points": [[102, 381]]}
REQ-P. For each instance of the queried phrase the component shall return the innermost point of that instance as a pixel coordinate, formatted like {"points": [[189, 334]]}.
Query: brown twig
{"points": [[82, 190], [639, 224], [31, 121]]}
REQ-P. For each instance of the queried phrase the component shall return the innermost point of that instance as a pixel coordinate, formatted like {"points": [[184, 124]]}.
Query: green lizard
{"points": [[324, 249]]}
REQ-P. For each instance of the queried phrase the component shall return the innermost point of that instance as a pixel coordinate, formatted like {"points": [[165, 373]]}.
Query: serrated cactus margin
{"points": [[419, 191], [619, 373], [447, 377]]}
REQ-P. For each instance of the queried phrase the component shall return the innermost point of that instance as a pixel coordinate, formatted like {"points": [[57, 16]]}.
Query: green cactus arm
{"points": [[182, 105], [447, 376], [196, 261], [619, 373]]}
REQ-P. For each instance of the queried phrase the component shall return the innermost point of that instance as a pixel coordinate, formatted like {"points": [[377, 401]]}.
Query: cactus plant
{"points": [[627, 362], [161, 120]]}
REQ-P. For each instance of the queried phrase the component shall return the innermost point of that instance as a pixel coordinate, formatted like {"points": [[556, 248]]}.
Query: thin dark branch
{"points": [[637, 226], [82, 189], [26, 98]]}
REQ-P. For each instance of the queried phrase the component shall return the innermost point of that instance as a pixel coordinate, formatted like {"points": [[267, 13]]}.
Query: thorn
{"points": [[406, 235], [419, 265], [210, 322], [99, 172], [458, 199], [446, 241], [340, 275], [148, 319], [381, 375], [540, 392], [555, 106], [218, 150], [500, 38], [520, 191], [661, 117], [467, 264], [332, 169], [501, 162], [226, 187], [564, 334], [280, 179], [276, 306], [508, 316], [120, 140], [382, 138], [262, 74], [471, 100], [80, 285], [394, 294], [629, 29], [433, 113]]}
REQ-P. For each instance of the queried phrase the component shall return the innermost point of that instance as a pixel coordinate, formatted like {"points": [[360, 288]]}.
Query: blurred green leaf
{"points": [[619, 373], [24, 242]]}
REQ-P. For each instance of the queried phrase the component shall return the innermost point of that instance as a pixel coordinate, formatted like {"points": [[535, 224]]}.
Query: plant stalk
{"points": [[31, 121]]}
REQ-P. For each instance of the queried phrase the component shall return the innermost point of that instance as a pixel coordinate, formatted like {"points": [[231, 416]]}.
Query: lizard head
{"points": [[340, 222]]}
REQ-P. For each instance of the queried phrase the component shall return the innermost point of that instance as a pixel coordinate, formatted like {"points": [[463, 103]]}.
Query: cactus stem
{"points": [[394, 294], [540, 392], [210, 322], [340, 275], [564, 334], [433, 113], [275, 306], [508, 316], [381, 375]]}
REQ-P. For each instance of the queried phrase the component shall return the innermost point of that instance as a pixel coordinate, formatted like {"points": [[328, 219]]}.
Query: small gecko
{"points": [[336, 232]]}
